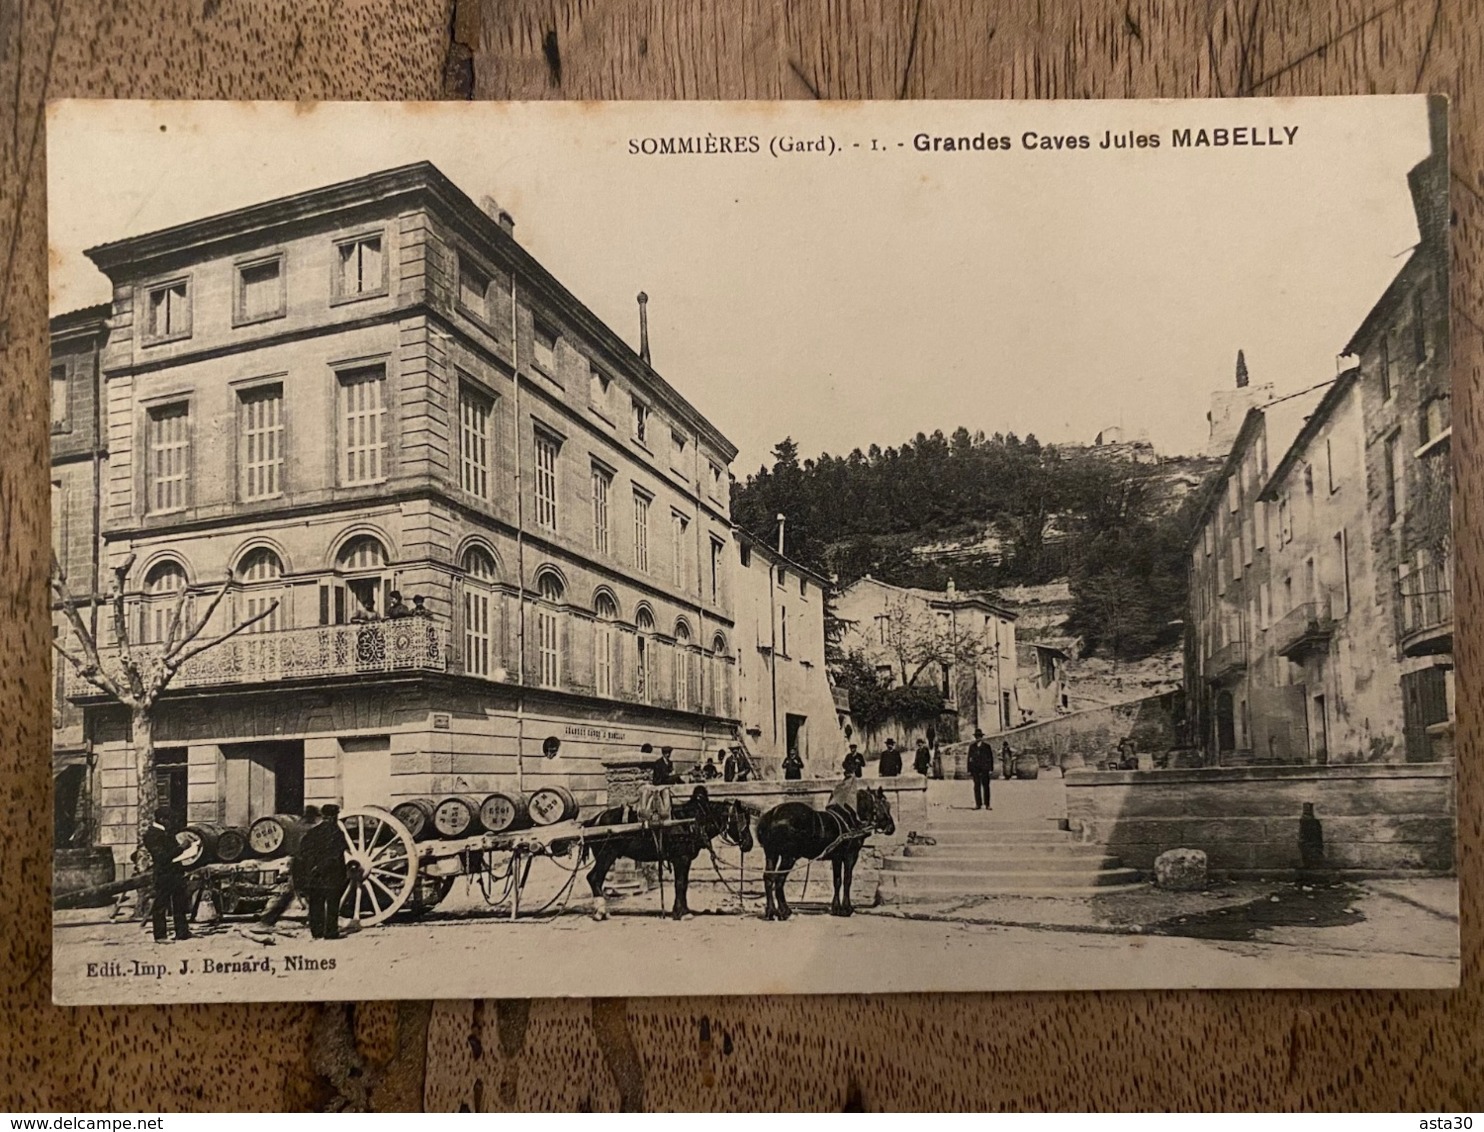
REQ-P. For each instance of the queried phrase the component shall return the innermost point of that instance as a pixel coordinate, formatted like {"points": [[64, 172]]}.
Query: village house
{"points": [[372, 389], [784, 698], [963, 643], [1405, 400]]}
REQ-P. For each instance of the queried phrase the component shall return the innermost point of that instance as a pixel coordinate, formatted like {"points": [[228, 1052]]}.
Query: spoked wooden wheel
{"points": [[383, 858]]}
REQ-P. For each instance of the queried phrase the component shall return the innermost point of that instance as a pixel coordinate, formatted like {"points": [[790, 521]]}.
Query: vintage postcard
{"points": [[670, 548]]}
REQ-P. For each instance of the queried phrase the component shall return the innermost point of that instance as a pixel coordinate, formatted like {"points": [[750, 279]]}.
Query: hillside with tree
{"points": [[992, 512]]}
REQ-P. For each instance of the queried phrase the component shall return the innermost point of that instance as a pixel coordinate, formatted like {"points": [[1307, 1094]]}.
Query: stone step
{"points": [[1002, 836], [936, 886], [992, 866], [995, 850], [991, 820]]}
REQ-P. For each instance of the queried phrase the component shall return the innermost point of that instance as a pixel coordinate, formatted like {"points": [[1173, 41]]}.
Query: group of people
{"points": [[395, 609], [318, 873], [981, 763]]}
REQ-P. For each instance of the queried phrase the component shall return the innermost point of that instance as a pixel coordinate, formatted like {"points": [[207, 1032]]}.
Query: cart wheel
{"points": [[386, 858]]}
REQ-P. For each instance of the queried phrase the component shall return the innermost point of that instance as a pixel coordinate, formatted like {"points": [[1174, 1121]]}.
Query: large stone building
{"points": [[784, 697], [367, 389], [1405, 391], [1321, 614], [964, 643]]}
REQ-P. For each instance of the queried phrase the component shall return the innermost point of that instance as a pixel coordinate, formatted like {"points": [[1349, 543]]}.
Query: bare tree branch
{"points": [[172, 663], [92, 661], [175, 618], [85, 671], [202, 622], [127, 662]]}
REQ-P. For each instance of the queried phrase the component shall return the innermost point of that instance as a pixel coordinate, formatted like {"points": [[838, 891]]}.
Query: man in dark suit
{"points": [[325, 875], [165, 853], [981, 769], [890, 763]]}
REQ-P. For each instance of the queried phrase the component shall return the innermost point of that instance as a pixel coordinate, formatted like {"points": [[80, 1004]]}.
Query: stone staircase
{"points": [[980, 854]]}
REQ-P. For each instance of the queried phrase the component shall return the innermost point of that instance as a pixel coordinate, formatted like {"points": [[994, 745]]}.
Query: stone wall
{"points": [[1377, 819]]}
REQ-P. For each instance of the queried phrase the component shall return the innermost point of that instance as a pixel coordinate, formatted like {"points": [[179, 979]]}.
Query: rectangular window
{"points": [[602, 481], [1260, 525], [641, 421], [717, 550], [169, 443], [168, 311], [1419, 327], [677, 451], [362, 424], [260, 429], [475, 410], [60, 406], [477, 639], [597, 389], [1264, 605], [360, 267], [1432, 422], [1342, 553], [260, 290], [641, 531], [1394, 477], [744, 555], [783, 629], [1329, 465], [603, 657], [548, 628], [473, 290], [1385, 368], [543, 348], [547, 449], [714, 484], [678, 527]]}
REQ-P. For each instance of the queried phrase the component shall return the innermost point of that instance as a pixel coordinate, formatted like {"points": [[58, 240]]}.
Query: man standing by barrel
{"points": [[981, 769], [323, 852], [165, 853]]}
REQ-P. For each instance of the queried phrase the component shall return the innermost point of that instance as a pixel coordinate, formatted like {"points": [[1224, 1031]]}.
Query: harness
{"points": [[848, 827]]}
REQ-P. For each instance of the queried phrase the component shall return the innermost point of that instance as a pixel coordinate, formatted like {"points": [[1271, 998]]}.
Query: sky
{"points": [[871, 291]]}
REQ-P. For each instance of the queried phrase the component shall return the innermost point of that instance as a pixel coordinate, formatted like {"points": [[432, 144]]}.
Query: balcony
{"points": [[1425, 598], [410, 644], [1305, 629], [1228, 661]]}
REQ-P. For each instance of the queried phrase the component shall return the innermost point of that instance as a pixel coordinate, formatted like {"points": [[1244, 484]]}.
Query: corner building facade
{"points": [[372, 388]]}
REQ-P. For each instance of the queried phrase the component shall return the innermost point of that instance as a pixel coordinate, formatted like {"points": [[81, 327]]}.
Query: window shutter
{"points": [[456, 644]]}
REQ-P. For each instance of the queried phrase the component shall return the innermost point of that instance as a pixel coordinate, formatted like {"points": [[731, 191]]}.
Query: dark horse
{"points": [[796, 830], [677, 846]]}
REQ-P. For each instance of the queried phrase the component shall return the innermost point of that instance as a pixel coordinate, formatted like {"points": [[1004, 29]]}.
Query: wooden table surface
{"points": [[1411, 1051]]}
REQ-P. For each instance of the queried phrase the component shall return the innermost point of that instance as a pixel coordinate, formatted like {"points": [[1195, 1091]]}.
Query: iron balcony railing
{"points": [[1305, 628], [1228, 660], [1425, 597]]}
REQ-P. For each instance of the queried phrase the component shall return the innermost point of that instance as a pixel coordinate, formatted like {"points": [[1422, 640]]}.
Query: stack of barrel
{"points": [[460, 815]]}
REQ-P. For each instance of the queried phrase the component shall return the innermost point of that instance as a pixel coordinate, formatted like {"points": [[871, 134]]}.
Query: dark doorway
{"points": [[794, 725], [262, 779], [1226, 722], [1320, 730], [170, 782], [70, 805], [1424, 702]]}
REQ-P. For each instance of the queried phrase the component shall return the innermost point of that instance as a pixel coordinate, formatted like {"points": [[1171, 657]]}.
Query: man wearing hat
{"points": [[325, 875], [165, 852], [664, 769], [981, 769], [855, 763]]}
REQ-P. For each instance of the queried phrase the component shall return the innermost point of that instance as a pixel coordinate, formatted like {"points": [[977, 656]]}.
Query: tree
{"points": [[919, 639], [137, 680]]}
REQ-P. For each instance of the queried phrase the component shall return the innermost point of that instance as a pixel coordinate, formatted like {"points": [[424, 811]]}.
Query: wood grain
{"points": [[1189, 1050]]}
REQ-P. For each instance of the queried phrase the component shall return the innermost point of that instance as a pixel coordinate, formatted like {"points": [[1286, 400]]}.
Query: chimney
{"points": [[493, 210], [782, 519], [1241, 371], [644, 329]]}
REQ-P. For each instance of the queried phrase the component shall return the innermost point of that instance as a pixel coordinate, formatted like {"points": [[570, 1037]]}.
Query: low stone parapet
{"points": [[1377, 819]]}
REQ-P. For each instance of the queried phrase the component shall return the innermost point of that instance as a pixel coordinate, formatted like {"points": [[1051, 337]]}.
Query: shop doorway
{"points": [[262, 779]]}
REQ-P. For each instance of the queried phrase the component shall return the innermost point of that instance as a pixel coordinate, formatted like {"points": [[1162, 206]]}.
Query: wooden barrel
{"points": [[552, 804], [500, 813], [456, 816], [276, 835], [231, 844], [417, 815], [209, 835], [79, 870]]}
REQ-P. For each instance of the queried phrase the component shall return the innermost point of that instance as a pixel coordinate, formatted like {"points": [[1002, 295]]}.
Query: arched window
{"points": [[259, 573], [362, 590], [162, 588], [549, 614], [683, 678], [605, 613], [720, 689], [643, 627], [479, 577]]}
